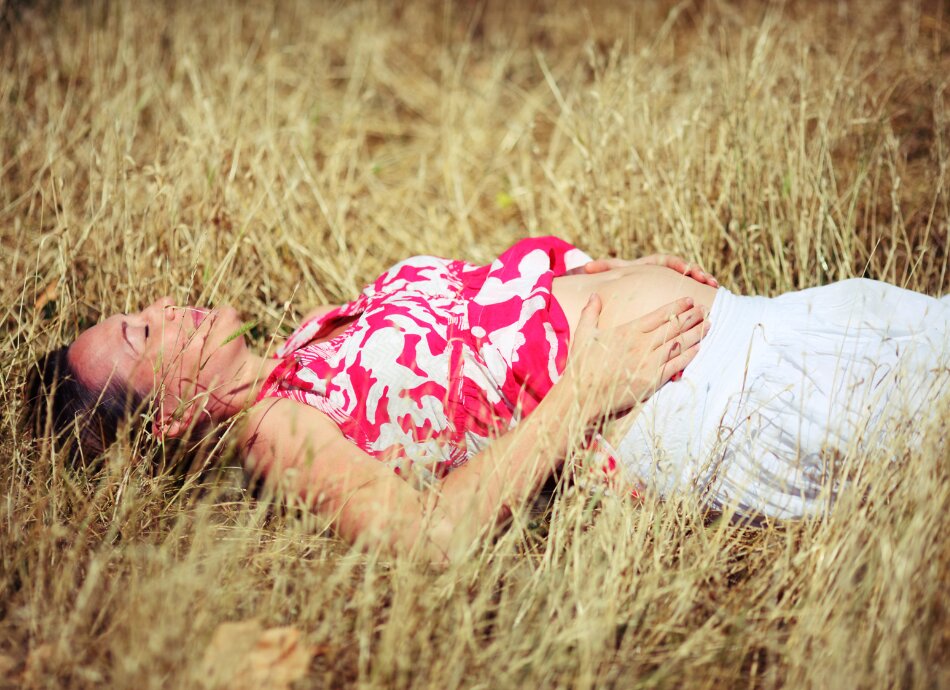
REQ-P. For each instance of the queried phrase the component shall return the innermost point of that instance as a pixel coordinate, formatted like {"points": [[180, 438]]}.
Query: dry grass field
{"points": [[277, 155]]}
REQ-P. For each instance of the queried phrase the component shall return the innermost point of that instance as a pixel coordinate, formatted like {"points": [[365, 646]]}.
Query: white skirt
{"points": [[784, 388]]}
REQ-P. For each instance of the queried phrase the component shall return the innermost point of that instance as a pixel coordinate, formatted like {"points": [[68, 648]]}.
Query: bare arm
{"points": [[303, 450]]}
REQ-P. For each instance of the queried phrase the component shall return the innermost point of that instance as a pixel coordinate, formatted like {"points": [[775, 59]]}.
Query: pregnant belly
{"points": [[627, 293]]}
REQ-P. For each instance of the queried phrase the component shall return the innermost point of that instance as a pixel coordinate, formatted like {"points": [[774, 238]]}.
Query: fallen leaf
{"points": [[244, 656], [7, 664], [47, 295]]}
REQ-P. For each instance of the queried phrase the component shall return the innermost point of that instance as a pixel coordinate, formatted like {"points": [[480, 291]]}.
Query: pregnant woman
{"points": [[420, 413]]}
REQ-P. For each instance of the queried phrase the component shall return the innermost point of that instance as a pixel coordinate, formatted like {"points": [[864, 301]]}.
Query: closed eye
{"points": [[125, 337], [146, 331]]}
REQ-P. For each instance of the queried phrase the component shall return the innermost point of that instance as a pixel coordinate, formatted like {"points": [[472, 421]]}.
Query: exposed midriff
{"points": [[627, 293]]}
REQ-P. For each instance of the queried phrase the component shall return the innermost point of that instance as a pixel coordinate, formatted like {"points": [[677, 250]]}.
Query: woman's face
{"points": [[184, 350]]}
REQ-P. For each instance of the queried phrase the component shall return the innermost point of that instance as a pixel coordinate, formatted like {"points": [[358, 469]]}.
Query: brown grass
{"points": [[277, 156]]}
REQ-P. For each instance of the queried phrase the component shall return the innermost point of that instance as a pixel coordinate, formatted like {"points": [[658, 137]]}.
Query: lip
{"points": [[198, 315]]}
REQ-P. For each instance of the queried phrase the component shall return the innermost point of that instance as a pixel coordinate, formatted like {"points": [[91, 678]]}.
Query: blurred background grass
{"points": [[277, 155]]}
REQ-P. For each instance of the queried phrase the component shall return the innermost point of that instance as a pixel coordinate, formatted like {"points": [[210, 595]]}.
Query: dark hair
{"points": [[56, 400]]}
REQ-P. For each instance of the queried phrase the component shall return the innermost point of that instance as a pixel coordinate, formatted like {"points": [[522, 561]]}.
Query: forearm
{"points": [[304, 453], [483, 491], [476, 497]]}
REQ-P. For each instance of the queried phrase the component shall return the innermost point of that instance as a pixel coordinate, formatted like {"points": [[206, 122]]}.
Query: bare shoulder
{"points": [[302, 451], [279, 434]]}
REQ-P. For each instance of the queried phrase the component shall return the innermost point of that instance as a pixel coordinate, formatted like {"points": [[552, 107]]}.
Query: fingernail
{"points": [[677, 376], [689, 301]]}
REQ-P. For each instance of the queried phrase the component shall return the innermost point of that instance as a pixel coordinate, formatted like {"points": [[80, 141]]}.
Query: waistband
{"points": [[724, 351], [687, 413]]}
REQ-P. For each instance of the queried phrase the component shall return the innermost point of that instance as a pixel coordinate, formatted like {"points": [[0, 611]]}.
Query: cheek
{"points": [[218, 363], [175, 359], [192, 356], [144, 377], [203, 359]]}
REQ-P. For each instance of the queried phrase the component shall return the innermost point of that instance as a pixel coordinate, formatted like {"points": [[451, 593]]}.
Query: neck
{"points": [[242, 382]]}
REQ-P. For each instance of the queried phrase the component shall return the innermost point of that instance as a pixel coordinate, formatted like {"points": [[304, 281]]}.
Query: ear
{"points": [[174, 421]]}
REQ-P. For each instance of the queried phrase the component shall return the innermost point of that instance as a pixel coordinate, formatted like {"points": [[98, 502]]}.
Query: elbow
{"points": [[435, 540], [446, 540], [442, 541]]}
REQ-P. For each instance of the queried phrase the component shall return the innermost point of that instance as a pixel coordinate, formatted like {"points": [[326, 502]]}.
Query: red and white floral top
{"points": [[442, 356]]}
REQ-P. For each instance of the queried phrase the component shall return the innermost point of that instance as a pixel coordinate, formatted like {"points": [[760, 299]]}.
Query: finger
{"points": [[596, 266], [677, 264], [663, 338], [688, 338], [590, 314], [697, 273], [659, 317], [677, 325], [673, 350], [668, 260], [678, 363]]}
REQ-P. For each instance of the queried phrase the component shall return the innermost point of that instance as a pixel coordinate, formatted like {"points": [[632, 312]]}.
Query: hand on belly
{"points": [[627, 293]]}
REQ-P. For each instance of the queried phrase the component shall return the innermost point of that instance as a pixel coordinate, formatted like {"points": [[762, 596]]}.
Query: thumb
{"points": [[590, 314], [595, 266]]}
